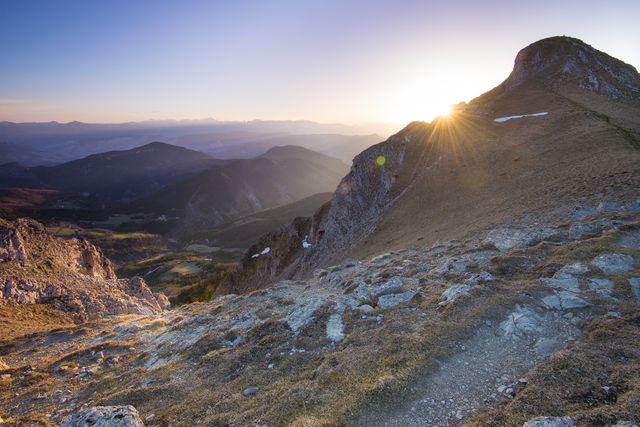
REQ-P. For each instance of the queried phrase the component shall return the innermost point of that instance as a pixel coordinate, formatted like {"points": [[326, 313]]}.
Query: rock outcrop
{"points": [[71, 275], [105, 416]]}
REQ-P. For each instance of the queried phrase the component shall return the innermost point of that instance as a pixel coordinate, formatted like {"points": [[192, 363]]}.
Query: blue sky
{"points": [[332, 61]]}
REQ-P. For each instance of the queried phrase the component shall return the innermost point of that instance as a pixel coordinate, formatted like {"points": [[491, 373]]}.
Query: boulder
{"points": [[453, 293], [614, 263], [389, 301], [105, 416], [522, 322], [335, 328], [395, 285], [564, 300], [549, 422]]}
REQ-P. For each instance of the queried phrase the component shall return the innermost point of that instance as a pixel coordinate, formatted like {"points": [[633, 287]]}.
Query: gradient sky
{"points": [[331, 60]]}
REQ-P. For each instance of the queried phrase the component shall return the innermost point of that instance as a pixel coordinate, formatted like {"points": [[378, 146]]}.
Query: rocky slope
{"points": [[486, 331], [486, 163], [72, 276]]}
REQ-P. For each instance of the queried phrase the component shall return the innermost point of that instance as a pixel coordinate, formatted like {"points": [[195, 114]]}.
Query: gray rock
{"points": [[105, 416], [335, 328], [549, 422], [569, 283], [511, 237], [574, 269], [580, 230], [603, 287], [453, 293], [250, 391], [634, 206], [625, 424], [389, 301], [582, 212], [522, 322], [634, 282], [363, 293], [610, 207], [478, 278], [303, 314], [564, 300], [365, 308], [614, 263], [630, 240], [395, 285]]}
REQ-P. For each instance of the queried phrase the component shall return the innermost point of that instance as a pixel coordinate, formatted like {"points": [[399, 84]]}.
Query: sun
{"points": [[421, 111]]}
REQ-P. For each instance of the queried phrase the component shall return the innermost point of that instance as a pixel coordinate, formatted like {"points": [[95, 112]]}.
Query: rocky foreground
{"points": [[517, 322]]}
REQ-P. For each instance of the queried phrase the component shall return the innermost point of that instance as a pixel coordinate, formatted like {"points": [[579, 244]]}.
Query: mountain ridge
{"points": [[449, 166]]}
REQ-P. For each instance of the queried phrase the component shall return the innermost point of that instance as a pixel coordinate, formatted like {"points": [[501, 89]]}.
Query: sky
{"points": [[344, 61]]}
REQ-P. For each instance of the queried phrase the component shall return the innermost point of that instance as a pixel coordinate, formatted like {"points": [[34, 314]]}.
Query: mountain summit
{"points": [[555, 62]]}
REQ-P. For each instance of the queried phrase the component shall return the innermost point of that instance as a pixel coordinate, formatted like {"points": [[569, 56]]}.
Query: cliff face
{"points": [[71, 275], [378, 176]]}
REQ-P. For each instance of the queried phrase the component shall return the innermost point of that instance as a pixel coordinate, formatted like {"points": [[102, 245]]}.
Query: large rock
{"points": [[389, 301], [453, 293], [71, 275], [105, 416], [614, 263], [549, 422]]}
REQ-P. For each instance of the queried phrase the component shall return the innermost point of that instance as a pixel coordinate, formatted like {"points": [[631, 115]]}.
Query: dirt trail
{"points": [[486, 370]]}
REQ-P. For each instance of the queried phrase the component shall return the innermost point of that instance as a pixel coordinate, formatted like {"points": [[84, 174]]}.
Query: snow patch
{"points": [[306, 244], [264, 252], [504, 119]]}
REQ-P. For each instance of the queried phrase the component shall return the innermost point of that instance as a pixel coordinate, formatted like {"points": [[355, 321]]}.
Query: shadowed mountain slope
{"points": [[236, 188], [115, 176]]}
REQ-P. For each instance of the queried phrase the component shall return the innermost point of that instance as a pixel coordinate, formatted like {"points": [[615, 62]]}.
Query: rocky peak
{"points": [[557, 60], [27, 242], [71, 275]]}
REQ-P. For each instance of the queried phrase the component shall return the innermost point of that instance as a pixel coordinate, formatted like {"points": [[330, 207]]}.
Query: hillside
{"points": [[491, 331], [237, 188], [464, 173], [116, 177]]}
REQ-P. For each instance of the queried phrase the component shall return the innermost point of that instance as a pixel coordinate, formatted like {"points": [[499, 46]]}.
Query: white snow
{"points": [[504, 119], [264, 252], [306, 244]]}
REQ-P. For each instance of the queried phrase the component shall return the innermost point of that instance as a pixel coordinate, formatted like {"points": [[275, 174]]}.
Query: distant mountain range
{"points": [[115, 177], [54, 142], [170, 187]]}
